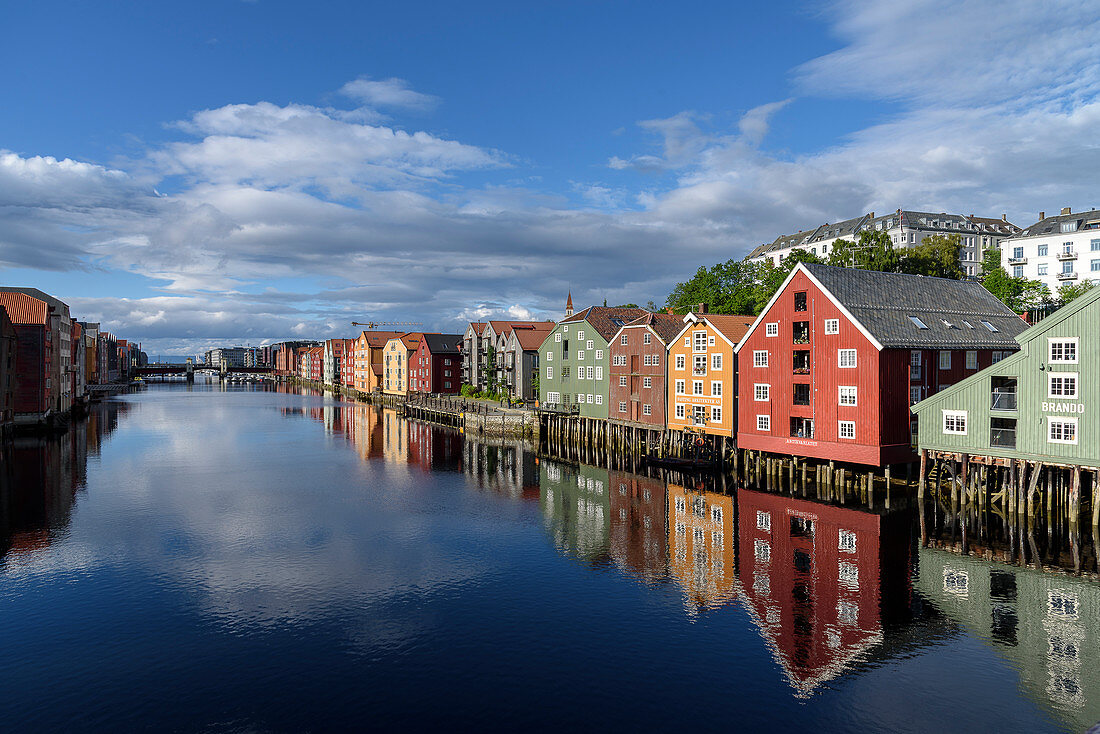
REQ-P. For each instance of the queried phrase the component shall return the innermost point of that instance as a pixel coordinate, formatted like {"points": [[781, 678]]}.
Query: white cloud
{"points": [[388, 93]]}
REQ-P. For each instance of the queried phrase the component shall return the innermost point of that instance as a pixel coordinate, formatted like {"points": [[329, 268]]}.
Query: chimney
{"points": [[1065, 210], [700, 308], [668, 310], [1004, 217], [1042, 215], [871, 215]]}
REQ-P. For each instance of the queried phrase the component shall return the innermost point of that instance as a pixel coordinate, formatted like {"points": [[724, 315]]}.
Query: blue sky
{"points": [[218, 172]]}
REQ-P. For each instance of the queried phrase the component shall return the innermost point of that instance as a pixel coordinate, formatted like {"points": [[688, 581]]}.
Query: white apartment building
{"points": [[906, 229], [1056, 250]]}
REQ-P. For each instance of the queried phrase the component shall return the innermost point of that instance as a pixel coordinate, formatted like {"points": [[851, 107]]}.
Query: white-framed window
{"points": [[716, 361], [847, 395], [696, 387], [680, 411], [1061, 430], [763, 423], [656, 360], [622, 406], [647, 382], [680, 384], [771, 329], [557, 337], [914, 358], [1044, 269], [599, 399], [549, 373], [647, 410], [580, 336], [954, 421], [553, 397], [687, 341], [647, 338], [549, 356], [623, 340], [716, 388], [760, 358], [599, 372], [761, 392], [622, 380], [1061, 384], [580, 355], [1063, 350], [699, 341], [710, 341], [763, 520], [599, 353], [846, 429], [832, 326], [972, 360], [716, 414], [945, 359], [846, 358], [681, 361], [699, 364], [580, 398], [914, 395], [846, 541]]}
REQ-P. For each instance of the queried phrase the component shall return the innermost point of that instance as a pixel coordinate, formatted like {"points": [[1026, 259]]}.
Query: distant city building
{"points": [[905, 228], [1058, 250]]}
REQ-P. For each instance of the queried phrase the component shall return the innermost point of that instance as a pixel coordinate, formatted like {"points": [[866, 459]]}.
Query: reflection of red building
{"points": [[433, 448], [812, 576], [639, 541]]}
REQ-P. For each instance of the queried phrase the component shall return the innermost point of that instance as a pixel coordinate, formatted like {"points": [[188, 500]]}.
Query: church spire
{"points": [[569, 305]]}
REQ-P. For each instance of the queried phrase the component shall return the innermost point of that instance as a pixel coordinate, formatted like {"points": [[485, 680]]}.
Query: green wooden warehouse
{"points": [[1040, 405]]}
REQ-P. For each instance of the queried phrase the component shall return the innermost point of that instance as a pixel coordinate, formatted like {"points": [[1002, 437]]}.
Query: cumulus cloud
{"points": [[293, 220]]}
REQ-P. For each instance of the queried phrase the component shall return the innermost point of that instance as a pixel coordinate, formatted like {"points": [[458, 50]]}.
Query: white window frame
{"points": [[716, 388], [760, 358], [945, 359], [844, 391], [716, 414], [623, 340], [647, 338], [761, 392], [840, 358], [698, 341], [951, 418], [846, 541], [971, 360], [771, 329], [832, 326], [681, 362], [1052, 376], [764, 423], [599, 399], [557, 337], [553, 397], [622, 381], [680, 411], [846, 430], [681, 387], [1075, 341], [647, 382], [647, 409], [696, 387], [599, 372], [599, 354], [716, 361], [1057, 420], [549, 372], [549, 356], [622, 406]]}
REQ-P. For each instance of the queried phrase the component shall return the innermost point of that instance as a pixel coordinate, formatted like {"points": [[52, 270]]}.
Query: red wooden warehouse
{"points": [[436, 364], [830, 367], [638, 371], [34, 355]]}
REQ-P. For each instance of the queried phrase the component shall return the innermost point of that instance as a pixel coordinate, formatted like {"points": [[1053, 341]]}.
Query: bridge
{"points": [[154, 370]]}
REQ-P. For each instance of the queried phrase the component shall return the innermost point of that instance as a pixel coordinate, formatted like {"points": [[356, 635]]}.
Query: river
{"points": [[245, 559]]}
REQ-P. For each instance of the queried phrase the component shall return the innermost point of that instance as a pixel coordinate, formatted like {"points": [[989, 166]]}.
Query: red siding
{"points": [[635, 394], [428, 371]]}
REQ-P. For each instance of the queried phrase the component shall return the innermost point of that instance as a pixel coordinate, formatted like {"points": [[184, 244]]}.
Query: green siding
{"points": [[1032, 369], [574, 385]]}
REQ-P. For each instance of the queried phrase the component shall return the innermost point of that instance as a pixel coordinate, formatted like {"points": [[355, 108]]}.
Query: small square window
{"points": [[763, 423], [846, 429], [954, 421], [760, 358], [761, 392], [771, 329], [832, 326]]}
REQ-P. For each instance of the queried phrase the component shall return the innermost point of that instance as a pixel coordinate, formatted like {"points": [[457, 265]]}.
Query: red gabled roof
{"points": [[24, 309], [478, 326], [666, 325], [379, 338], [531, 335], [732, 327]]}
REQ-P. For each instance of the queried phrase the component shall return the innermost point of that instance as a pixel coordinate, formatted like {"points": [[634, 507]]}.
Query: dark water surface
{"points": [[248, 560]]}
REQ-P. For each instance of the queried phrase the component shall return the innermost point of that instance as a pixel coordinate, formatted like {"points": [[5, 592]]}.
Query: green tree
{"points": [[626, 305], [1019, 294], [937, 255], [489, 371], [726, 288], [1070, 291], [769, 277], [872, 251]]}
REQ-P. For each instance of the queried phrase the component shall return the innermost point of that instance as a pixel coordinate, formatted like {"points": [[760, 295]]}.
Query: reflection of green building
{"points": [[1047, 626], [576, 508]]}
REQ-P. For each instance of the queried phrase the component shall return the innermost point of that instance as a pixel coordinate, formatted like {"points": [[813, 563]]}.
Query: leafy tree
{"points": [[872, 251], [937, 255], [1070, 291], [651, 306], [1019, 294], [626, 305], [769, 276], [489, 371]]}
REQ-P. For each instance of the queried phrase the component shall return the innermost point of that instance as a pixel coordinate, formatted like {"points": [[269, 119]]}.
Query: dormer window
{"points": [[1069, 226], [919, 324]]}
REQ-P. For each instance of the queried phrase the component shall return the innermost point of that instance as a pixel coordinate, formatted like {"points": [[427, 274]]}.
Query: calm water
{"points": [[200, 559]]}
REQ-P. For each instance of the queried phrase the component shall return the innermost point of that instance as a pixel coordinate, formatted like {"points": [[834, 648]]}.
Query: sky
{"points": [[220, 173]]}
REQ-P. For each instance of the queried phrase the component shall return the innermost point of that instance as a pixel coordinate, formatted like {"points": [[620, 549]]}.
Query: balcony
{"points": [[1003, 396], [1067, 255], [699, 371], [1017, 261], [1070, 275], [802, 362], [801, 332]]}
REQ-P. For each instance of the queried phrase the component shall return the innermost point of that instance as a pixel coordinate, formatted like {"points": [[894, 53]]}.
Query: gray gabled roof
{"points": [[1053, 225], [443, 343], [953, 311]]}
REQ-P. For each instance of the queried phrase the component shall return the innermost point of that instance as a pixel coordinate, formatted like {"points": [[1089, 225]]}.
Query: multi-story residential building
{"points": [[62, 358], [637, 389], [232, 357], [370, 347], [702, 373], [905, 228], [316, 363], [436, 366], [829, 368], [518, 357], [575, 360], [285, 356], [1058, 250], [91, 353], [1037, 405], [396, 358], [339, 359], [36, 394], [78, 373], [474, 354], [7, 368]]}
